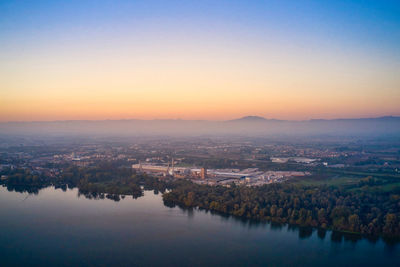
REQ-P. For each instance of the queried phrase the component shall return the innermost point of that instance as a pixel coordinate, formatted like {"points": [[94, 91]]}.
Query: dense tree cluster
{"points": [[16, 177], [103, 181], [108, 179], [120, 186], [363, 212]]}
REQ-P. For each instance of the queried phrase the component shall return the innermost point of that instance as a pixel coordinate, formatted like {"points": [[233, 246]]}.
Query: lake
{"points": [[61, 228]]}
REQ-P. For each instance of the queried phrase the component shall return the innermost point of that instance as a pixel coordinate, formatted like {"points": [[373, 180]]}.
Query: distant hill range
{"points": [[250, 119], [247, 126]]}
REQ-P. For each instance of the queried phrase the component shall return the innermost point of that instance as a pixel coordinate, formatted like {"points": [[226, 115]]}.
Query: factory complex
{"points": [[225, 177]]}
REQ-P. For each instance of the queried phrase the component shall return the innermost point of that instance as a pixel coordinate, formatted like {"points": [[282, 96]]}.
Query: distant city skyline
{"points": [[208, 60]]}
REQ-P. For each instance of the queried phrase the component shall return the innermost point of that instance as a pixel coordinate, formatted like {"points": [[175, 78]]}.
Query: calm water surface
{"points": [[56, 228]]}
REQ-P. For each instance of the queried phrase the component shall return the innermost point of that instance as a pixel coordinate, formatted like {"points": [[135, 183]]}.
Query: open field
{"points": [[330, 181], [352, 181]]}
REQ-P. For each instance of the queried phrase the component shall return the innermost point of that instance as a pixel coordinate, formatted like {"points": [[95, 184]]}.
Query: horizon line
{"points": [[205, 120]]}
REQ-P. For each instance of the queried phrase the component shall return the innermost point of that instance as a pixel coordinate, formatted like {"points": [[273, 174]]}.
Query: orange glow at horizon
{"points": [[195, 82]]}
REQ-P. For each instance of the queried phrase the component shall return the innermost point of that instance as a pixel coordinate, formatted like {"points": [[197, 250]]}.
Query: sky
{"points": [[208, 60]]}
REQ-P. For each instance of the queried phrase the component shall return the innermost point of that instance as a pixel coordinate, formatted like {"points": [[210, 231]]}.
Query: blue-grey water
{"points": [[56, 228]]}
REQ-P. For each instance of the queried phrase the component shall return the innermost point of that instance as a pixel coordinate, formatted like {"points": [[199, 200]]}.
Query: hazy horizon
{"points": [[246, 126], [205, 119]]}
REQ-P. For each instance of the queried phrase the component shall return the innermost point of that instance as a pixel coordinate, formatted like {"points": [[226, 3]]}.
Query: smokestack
{"points": [[203, 173], [173, 170]]}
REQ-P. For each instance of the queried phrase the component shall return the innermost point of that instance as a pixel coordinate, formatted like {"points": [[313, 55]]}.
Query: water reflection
{"points": [[303, 232], [24, 189], [321, 233], [63, 187]]}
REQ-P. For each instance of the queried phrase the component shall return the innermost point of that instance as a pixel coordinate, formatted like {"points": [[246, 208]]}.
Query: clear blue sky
{"points": [[370, 24]]}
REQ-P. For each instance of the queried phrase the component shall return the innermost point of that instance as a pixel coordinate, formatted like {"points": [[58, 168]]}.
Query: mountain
{"points": [[250, 119]]}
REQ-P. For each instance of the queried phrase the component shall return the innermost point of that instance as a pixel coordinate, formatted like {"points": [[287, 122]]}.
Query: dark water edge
{"points": [[59, 227], [304, 232]]}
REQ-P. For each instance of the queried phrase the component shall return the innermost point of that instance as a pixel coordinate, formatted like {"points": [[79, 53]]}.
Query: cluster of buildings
{"points": [[171, 170], [247, 158], [294, 159], [225, 177]]}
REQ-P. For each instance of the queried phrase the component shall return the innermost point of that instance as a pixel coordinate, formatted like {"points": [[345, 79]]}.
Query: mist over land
{"points": [[247, 126]]}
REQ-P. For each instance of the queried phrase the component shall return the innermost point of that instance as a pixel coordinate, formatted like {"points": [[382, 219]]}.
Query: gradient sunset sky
{"points": [[67, 60]]}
